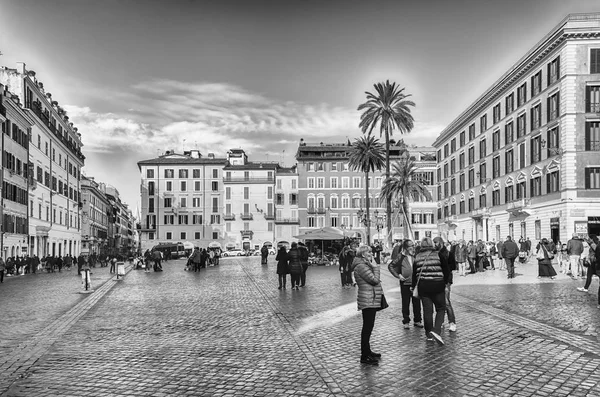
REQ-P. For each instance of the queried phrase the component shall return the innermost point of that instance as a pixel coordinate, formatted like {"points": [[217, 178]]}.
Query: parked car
{"points": [[233, 252]]}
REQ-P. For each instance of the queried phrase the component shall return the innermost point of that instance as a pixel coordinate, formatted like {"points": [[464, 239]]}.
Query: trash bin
{"points": [[120, 269]]}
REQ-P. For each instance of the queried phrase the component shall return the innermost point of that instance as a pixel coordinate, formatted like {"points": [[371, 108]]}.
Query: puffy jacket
{"points": [[574, 247], [294, 262], [402, 265], [282, 261], [460, 255], [433, 270], [369, 286]]}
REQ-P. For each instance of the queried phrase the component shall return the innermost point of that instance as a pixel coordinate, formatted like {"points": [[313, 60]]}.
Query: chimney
{"points": [[21, 67], [211, 155]]}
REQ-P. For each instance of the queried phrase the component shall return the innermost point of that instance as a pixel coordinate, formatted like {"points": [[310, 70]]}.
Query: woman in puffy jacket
{"points": [[366, 274], [295, 265]]}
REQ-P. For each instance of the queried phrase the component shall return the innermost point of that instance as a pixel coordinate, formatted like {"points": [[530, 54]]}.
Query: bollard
{"points": [[120, 270]]}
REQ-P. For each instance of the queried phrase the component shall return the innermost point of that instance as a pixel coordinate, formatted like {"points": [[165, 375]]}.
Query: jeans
{"points": [[429, 300], [449, 308], [407, 299], [591, 270], [368, 316], [510, 267], [472, 264], [575, 266], [303, 275]]}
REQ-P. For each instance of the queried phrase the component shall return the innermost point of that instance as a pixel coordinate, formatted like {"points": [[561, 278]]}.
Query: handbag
{"points": [[540, 254], [384, 304]]}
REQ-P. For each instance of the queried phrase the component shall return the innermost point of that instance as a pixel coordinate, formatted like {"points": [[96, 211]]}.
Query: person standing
{"points": [[592, 266], [481, 255], [344, 262], [376, 250], [2, 269], [195, 259], [574, 250], [430, 276], [295, 265], [264, 254], [113, 264], [460, 257], [401, 267], [472, 257], [510, 252], [368, 299], [445, 255], [304, 261], [502, 264], [544, 257], [80, 263], [282, 266]]}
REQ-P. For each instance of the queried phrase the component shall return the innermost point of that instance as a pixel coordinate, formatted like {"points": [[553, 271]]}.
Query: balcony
{"points": [[321, 210], [480, 213], [246, 216], [249, 180], [147, 228], [517, 207], [247, 233], [451, 220], [229, 217], [311, 210], [269, 217], [287, 221]]}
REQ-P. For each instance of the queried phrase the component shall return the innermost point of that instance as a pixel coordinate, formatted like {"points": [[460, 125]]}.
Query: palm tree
{"points": [[391, 110], [367, 155], [402, 185]]}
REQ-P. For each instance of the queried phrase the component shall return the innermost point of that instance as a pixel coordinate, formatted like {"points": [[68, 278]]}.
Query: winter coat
{"points": [[264, 251], [460, 255], [402, 265], [294, 262], [369, 286], [196, 257], [303, 255], [510, 250], [282, 262], [2, 266], [472, 251], [574, 247], [435, 273]]}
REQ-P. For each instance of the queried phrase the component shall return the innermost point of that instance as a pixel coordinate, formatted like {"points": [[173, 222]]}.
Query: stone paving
{"points": [[228, 331]]}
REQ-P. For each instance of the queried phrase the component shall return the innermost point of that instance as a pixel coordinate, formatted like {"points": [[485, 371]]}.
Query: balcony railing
{"points": [[248, 180], [311, 210], [287, 221], [321, 210], [229, 217], [148, 228], [480, 213], [269, 216], [247, 217], [517, 205]]}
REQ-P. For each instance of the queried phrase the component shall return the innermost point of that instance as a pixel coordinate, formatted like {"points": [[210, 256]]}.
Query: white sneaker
{"points": [[407, 326], [581, 289], [437, 338], [452, 327]]}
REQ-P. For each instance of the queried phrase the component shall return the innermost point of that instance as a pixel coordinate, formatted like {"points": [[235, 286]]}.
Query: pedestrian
{"points": [[544, 257], [376, 250], [592, 261], [510, 252], [523, 253], [157, 256], [500, 258], [304, 261], [264, 254], [80, 263], [369, 297], [401, 267], [2, 269], [460, 256], [574, 250], [195, 260], [445, 255], [282, 266], [295, 265], [346, 257], [481, 256], [430, 276], [472, 257], [211, 256], [492, 254], [113, 264]]}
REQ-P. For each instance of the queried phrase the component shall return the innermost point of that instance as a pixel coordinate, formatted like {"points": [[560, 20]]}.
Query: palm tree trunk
{"points": [[388, 201], [368, 225], [407, 229]]}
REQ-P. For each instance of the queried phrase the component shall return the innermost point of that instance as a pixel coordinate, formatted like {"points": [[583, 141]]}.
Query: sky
{"points": [[139, 77]]}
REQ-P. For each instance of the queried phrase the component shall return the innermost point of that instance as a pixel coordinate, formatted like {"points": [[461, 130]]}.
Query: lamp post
{"points": [[378, 222], [556, 151], [362, 218]]}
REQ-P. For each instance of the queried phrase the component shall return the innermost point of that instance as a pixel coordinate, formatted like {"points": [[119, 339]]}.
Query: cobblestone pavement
{"points": [[229, 331]]}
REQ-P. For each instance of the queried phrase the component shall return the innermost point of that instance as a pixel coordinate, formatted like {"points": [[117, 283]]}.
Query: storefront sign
{"points": [[554, 223], [581, 228], [594, 220]]}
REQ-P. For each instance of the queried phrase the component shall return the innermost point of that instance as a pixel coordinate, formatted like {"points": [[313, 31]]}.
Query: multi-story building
{"points": [[120, 224], [182, 199], [331, 194], [55, 159], [94, 218], [523, 159], [249, 201], [16, 124], [287, 222]]}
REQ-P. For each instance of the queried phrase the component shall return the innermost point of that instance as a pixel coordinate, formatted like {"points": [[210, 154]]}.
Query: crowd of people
{"points": [[425, 271]]}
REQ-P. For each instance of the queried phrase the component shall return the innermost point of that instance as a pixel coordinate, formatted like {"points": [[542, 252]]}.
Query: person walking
{"points": [[195, 259], [510, 252], [80, 263], [446, 256], [368, 299], [113, 264], [481, 256], [401, 267], [544, 256], [304, 261], [264, 254], [430, 276], [592, 269], [295, 265], [460, 256], [282, 266], [574, 250]]}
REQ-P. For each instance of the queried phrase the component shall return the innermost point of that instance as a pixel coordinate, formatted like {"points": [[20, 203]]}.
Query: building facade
{"points": [[182, 199], [94, 220], [15, 176], [523, 159], [287, 223], [331, 194], [55, 161]]}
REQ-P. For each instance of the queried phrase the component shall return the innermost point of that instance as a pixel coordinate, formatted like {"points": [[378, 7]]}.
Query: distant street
{"points": [[228, 331]]}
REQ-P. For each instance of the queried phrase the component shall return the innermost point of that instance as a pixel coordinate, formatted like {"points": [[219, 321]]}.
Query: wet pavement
{"points": [[228, 331]]}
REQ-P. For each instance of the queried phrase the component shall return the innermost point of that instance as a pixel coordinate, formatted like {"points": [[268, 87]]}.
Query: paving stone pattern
{"points": [[228, 331]]}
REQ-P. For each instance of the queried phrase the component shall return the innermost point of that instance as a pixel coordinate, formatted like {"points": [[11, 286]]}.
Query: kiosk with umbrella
{"points": [[324, 233]]}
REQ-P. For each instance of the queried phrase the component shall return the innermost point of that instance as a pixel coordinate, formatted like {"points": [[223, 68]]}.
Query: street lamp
{"points": [[553, 150]]}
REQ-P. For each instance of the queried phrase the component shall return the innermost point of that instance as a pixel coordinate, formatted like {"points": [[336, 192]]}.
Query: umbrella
{"points": [[324, 233], [214, 244]]}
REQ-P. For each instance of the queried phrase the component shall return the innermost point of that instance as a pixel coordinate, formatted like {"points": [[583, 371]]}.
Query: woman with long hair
{"points": [[370, 291], [544, 255]]}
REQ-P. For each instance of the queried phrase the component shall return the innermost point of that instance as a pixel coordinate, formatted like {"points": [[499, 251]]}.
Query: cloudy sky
{"points": [[138, 77]]}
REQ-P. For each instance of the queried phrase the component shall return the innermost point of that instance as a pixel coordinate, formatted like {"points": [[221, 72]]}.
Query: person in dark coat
{"points": [[80, 263], [282, 266], [264, 254], [304, 261], [295, 265], [545, 268], [510, 251]]}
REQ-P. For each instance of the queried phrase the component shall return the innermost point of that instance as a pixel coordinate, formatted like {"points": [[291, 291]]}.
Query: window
{"points": [[508, 161], [553, 141], [471, 178], [453, 186], [462, 139], [508, 194], [197, 186], [554, 71], [196, 202], [310, 166], [334, 166], [293, 199], [169, 173], [167, 202], [169, 236], [482, 149], [333, 202], [461, 181], [496, 197], [482, 172], [183, 186], [522, 159], [461, 160], [294, 184], [149, 173], [215, 173], [311, 221], [215, 204], [522, 94], [183, 202], [356, 182], [196, 173], [462, 207], [453, 145], [439, 154], [495, 140], [471, 204], [552, 182], [496, 114], [345, 182], [169, 219], [496, 167], [150, 188], [521, 190], [183, 219], [246, 192], [510, 103], [333, 182], [553, 106], [446, 150], [183, 174], [215, 219], [439, 174], [214, 186], [508, 133], [452, 166], [471, 155], [446, 189], [536, 83], [592, 178], [446, 170], [521, 125], [592, 136], [169, 186], [196, 219], [592, 99], [536, 187], [320, 183], [482, 200], [471, 132], [536, 149], [310, 183], [483, 123], [536, 117]]}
